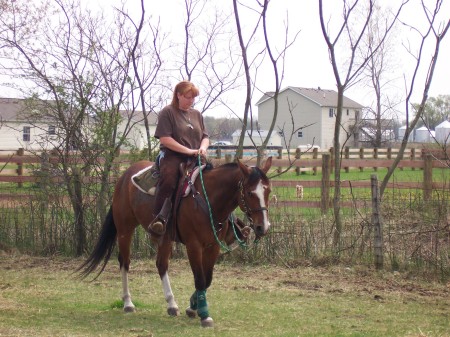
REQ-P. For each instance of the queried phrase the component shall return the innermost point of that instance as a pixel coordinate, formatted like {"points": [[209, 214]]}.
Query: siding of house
{"points": [[304, 112], [258, 138], [12, 123], [309, 108], [11, 137]]}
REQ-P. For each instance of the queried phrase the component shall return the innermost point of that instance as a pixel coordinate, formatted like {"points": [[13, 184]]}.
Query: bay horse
{"points": [[201, 229]]}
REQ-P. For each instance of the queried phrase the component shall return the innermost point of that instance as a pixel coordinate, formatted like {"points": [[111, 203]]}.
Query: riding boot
{"points": [[158, 225]]}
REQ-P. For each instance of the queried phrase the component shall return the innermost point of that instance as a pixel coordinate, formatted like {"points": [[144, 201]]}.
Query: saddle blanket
{"points": [[146, 179]]}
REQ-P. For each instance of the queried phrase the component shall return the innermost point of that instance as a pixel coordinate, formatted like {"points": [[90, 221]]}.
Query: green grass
{"points": [[39, 298]]}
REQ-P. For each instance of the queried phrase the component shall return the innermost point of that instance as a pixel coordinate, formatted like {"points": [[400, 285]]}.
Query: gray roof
{"points": [[10, 108], [13, 110], [323, 97]]}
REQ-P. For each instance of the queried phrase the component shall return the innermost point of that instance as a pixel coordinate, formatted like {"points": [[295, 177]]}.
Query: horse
{"points": [[201, 229]]}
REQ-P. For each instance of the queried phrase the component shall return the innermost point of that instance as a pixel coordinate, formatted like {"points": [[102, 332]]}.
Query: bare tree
{"points": [[276, 61], [81, 75], [434, 30], [351, 31], [205, 56], [378, 122]]}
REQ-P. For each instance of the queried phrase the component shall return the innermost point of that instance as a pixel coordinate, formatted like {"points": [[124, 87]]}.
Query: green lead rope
{"points": [[242, 243], [221, 244]]}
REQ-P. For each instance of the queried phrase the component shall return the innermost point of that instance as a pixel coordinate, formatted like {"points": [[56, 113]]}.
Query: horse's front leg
{"points": [[162, 263], [202, 265]]}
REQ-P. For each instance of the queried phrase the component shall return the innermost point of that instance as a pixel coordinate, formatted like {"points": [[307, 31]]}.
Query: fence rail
{"points": [[315, 161]]}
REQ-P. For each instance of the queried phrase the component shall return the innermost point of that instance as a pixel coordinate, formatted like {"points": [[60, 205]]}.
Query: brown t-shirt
{"points": [[187, 128]]}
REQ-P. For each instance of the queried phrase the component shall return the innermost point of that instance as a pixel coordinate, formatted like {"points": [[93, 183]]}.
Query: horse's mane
{"points": [[210, 166]]}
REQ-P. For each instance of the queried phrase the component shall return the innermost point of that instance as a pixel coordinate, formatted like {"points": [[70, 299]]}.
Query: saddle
{"points": [[147, 179]]}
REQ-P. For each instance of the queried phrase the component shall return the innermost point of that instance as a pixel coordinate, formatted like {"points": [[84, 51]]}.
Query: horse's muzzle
{"points": [[261, 229]]}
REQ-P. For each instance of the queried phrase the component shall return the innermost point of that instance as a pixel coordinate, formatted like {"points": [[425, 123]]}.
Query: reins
{"points": [[242, 243]]}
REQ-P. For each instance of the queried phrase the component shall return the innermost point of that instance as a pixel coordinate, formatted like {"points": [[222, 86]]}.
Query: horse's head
{"points": [[254, 191]]}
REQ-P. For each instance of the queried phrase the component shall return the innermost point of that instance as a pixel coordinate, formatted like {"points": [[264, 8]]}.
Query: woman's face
{"points": [[185, 101]]}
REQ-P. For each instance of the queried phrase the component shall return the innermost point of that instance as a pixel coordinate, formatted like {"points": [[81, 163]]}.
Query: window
{"points": [[300, 134], [348, 112], [331, 113], [51, 130], [26, 133]]}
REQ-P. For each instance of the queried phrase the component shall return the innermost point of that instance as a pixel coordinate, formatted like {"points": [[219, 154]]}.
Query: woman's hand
{"points": [[202, 152]]}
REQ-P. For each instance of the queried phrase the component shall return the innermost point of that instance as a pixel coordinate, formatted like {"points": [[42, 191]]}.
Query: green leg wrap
{"points": [[193, 301], [202, 309]]}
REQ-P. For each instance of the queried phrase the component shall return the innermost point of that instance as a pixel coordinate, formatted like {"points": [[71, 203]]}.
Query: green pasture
{"points": [[40, 297]]}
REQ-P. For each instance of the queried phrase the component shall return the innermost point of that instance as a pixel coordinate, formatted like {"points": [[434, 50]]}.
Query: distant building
{"points": [[313, 113], [258, 136], [19, 130], [443, 133]]}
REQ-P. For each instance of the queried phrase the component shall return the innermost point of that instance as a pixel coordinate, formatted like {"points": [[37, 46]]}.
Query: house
{"points": [[257, 136], [308, 115], [443, 133], [18, 130]]}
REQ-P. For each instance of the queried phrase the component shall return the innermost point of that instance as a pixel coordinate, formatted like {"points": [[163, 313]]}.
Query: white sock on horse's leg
{"points": [[128, 305], [172, 307]]}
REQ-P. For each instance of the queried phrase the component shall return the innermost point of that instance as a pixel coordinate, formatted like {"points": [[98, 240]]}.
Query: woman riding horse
{"points": [[182, 136]]}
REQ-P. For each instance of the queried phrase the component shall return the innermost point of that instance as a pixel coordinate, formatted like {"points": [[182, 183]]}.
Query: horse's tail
{"points": [[103, 248]]}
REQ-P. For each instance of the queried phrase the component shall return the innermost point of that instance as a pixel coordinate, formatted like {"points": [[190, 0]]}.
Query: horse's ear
{"points": [[244, 168], [267, 165]]}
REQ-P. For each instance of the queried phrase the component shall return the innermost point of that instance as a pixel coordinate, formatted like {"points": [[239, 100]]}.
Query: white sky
{"points": [[307, 62]]}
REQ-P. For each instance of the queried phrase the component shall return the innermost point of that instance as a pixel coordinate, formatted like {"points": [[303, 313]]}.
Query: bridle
{"points": [[243, 204]]}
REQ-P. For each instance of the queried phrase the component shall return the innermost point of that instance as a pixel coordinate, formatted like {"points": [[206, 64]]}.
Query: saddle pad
{"points": [[146, 179]]}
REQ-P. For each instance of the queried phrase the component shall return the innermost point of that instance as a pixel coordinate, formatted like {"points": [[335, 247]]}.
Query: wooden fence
{"points": [[362, 159]]}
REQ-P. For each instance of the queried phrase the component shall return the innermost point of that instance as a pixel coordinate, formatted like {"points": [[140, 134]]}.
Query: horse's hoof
{"points": [[191, 312], [173, 311], [207, 322], [129, 309]]}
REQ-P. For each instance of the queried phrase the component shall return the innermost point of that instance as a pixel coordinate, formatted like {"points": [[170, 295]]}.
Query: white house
{"points": [[258, 137], [402, 131], [443, 132], [16, 131], [19, 131], [313, 113], [423, 135]]}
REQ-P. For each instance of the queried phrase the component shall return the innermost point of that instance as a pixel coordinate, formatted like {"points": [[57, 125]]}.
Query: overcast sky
{"points": [[307, 63]]}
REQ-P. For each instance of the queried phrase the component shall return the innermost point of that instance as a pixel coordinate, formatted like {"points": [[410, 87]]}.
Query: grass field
{"points": [[39, 297]]}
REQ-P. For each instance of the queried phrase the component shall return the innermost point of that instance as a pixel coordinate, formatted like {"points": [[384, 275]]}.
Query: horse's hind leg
{"points": [[162, 263], [124, 242]]}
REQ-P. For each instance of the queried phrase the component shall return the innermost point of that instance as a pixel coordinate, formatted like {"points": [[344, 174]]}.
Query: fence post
{"points": [[315, 156], [20, 152], [297, 156], [377, 223], [326, 171], [427, 177], [413, 156], [375, 156], [280, 156], [332, 160], [361, 156], [347, 156]]}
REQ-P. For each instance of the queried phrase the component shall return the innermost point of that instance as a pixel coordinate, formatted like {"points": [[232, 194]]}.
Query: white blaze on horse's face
{"points": [[261, 192]]}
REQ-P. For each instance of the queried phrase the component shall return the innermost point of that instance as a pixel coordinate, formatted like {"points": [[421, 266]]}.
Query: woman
{"points": [[182, 136]]}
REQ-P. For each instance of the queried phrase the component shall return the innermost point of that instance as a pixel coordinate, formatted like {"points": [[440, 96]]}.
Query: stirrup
{"points": [[158, 227]]}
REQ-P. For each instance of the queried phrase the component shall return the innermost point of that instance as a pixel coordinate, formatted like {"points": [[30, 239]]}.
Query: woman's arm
{"points": [[173, 145]]}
